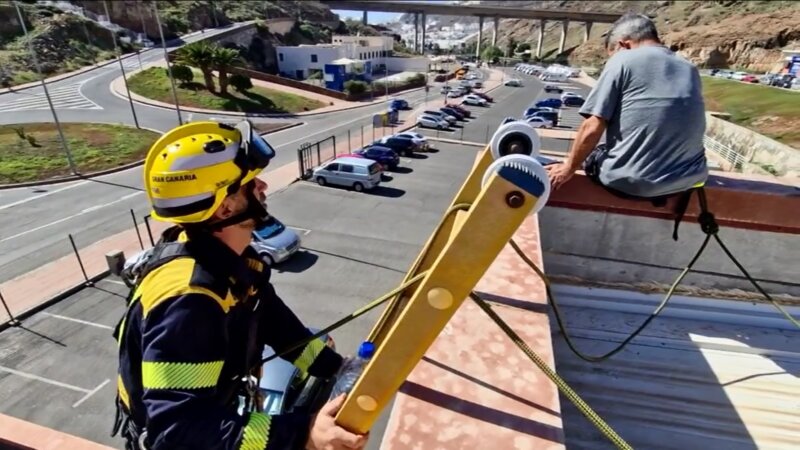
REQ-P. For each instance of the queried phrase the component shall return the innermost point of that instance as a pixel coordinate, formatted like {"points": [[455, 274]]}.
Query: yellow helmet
{"points": [[192, 168]]}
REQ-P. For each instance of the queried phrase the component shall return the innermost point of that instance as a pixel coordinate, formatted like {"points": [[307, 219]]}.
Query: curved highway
{"points": [[38, 219]]}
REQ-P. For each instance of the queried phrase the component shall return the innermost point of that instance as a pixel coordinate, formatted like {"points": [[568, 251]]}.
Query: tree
{"points": [[491, 53], [526, 57], [522, 47], [512, 46], [201, 55], [241, 82], [222, 59], [182, 73]]}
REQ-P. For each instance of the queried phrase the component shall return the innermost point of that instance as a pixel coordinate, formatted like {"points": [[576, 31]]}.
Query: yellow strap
{"points": [[123, 393], [256, 432], [167, 375], [310, 352]]}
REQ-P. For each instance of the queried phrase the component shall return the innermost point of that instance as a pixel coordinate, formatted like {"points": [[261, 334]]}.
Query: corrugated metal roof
{"points": [[706, 374]]}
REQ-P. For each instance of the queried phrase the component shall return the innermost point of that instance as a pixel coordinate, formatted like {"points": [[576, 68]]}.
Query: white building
{"points": [[299, 62]]}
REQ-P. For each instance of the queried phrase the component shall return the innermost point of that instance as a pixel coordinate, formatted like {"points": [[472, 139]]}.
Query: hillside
{"points": [[64, 42], [736, 34]]}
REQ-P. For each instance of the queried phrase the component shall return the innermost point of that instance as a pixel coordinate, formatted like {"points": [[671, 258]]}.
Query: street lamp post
{"points": [[71, 162], [121, 67], [169, 67]]}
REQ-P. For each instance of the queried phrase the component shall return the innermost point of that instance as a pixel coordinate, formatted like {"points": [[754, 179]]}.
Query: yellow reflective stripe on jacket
{"points": [[310, 352], [171, 280], [256, 432], [168, 375], [123, 393]]}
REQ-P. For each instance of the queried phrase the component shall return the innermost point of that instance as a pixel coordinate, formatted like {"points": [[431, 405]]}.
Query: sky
{"points": [[372, 17]]}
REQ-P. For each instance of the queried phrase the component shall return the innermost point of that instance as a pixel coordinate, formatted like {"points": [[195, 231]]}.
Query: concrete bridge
{"points": [[481, 12]]}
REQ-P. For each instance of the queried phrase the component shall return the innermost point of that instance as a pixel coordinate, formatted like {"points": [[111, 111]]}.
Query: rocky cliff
{"points": [[728, 33]]}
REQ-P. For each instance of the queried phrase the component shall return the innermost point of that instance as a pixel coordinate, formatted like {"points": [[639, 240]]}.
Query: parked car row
{"points": [[784, 80], [363, 168], [447, 116]]}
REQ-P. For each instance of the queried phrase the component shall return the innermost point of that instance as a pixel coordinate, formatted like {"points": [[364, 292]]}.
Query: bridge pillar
{"points": [[564, 26], [587, 31], [494, 32], [364, 18], [416, 32], [424, 23], [480, 37], [542, 23]]}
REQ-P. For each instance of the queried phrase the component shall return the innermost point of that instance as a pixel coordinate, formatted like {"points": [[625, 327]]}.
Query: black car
{"points": [[401, 146], [574, 101], [381, 153], [457, 114], [551, 88]]}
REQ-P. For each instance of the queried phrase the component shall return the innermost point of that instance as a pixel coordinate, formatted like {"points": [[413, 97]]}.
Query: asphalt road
{"points": [[512, 102], [40, 218], [356, 247]]}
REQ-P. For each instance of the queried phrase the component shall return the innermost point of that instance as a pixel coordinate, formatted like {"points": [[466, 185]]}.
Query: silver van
{"points": [[358, 173]]}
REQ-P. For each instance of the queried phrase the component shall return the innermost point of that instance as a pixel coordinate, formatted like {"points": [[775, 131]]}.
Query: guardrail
{"points": [[732, 156]]}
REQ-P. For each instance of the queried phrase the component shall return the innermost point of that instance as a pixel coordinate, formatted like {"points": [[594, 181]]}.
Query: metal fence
{"points": [[736, 158], [311, 155], [78, 261]]}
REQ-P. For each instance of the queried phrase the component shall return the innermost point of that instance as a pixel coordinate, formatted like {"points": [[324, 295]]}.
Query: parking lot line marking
{"points": [[43, 379], [305, 231], [90, 393], [71, 319]]}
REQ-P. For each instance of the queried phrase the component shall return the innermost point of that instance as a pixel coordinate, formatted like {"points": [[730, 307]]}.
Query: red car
{"points": [[464, 111], [750, 79]]}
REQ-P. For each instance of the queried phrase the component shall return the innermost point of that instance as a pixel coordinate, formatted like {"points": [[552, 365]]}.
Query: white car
{"points": [[514, 82], [419, 140], [539, 122], [446, 117], [474, 100], [455, 93], [428, 121]]}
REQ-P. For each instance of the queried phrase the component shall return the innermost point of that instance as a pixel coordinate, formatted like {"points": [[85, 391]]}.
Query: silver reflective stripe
{"points": [[205, 159], [180, 201]]}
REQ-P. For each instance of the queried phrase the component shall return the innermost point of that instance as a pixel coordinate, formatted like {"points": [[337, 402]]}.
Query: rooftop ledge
{"points": [[475, 387]]}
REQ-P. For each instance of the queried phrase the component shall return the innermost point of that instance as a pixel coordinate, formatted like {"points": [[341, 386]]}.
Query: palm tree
{"points": [[200, 54], [222, 59]]}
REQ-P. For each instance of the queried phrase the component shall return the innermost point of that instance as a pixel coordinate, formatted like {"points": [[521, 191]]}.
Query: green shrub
{"points": [[182, 73], [355, 87], [241, 82]]}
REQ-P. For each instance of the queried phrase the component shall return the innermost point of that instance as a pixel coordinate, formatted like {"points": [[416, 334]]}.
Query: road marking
{"points": [[64, 219], [90, 393], [72, 319], [117, 282], [43, 379], [36, 197], [305, 231]]}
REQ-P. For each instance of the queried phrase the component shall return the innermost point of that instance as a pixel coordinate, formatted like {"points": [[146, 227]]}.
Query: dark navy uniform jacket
{"points": [[184, 345]]}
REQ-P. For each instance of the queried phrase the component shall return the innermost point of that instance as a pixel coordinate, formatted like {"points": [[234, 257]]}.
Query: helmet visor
{"points": [[257, 150]]}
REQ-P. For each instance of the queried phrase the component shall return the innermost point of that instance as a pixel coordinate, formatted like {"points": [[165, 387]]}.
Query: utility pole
{"points": [[121, 67], [71, 162], [169, 67]]}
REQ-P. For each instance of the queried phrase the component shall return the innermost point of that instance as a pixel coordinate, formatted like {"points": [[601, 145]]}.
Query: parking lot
{"points": [[58, 369], [511, 102]]}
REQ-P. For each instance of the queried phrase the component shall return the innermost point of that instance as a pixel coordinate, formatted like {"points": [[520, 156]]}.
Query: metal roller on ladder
{"points": [[506, 184]]}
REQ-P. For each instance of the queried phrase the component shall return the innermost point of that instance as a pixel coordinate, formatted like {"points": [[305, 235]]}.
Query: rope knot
{"points": [[707, 223]]}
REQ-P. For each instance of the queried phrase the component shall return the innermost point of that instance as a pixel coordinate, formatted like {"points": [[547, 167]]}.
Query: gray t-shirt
{"points": [[652, 101]]}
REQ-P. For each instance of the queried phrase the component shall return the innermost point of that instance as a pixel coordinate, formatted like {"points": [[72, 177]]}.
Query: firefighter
{"points": [[204, 308]]}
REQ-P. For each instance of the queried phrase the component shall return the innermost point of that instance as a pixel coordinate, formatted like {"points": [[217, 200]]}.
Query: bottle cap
{"points": [[366, 350]]}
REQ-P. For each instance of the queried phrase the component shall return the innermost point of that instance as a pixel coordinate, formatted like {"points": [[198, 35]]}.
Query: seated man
{"points": [[649, 103]]}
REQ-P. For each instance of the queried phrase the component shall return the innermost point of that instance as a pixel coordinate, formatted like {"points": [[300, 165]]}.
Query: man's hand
{"points": [[326, 435], [559, 174]]}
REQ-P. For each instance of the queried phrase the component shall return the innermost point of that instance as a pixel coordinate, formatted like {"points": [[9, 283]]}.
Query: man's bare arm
{"points": [[589, 134]]}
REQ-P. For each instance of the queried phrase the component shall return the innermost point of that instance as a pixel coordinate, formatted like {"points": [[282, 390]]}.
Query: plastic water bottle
{"points": [[351, 369]]}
